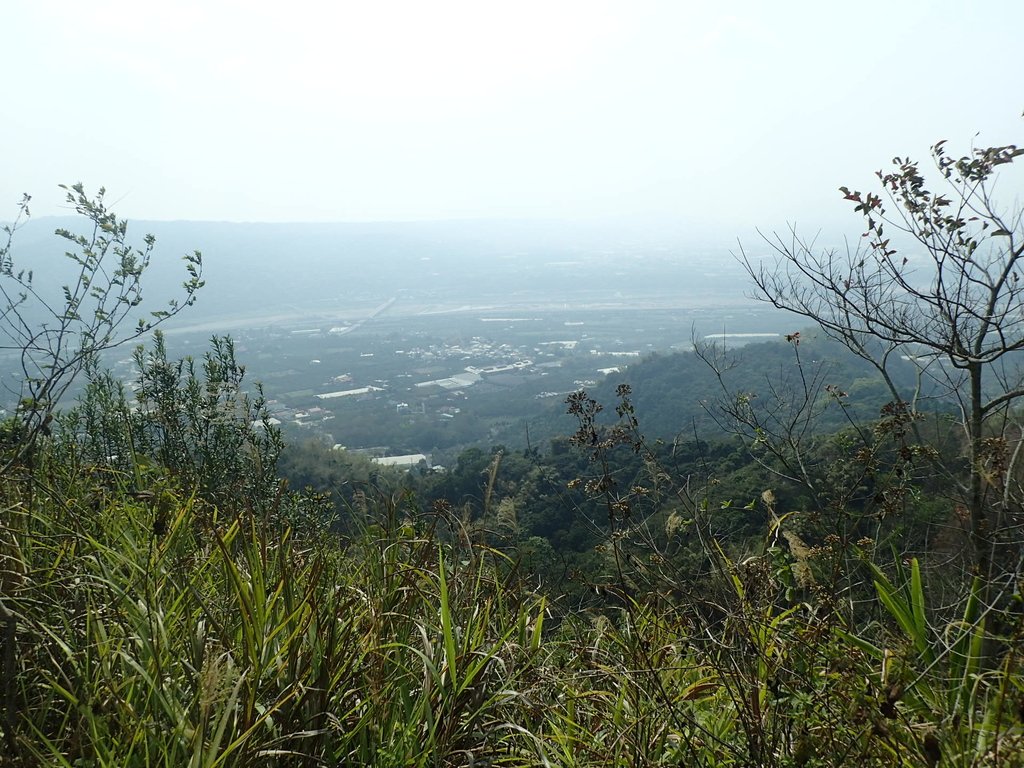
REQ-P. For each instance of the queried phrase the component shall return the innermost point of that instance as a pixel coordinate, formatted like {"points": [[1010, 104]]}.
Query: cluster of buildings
{"points": [[403, 376]]}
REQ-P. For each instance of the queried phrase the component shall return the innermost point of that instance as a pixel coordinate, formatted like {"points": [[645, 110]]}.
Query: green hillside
{"points": [[790, 572]]}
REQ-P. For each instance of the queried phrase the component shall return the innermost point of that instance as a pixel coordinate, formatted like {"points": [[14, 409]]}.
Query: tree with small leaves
{"points": [[56, 334], [936, 279]]}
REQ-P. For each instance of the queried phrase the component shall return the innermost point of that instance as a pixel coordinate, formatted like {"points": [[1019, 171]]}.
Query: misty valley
{"points": [[441, 379], [428, 338]]}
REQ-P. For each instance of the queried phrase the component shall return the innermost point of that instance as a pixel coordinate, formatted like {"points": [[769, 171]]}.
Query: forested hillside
{"points": [[816, 561], [685, 395]]}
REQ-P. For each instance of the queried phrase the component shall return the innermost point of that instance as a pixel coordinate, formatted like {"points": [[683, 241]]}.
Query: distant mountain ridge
{"points": [[274, 268]]}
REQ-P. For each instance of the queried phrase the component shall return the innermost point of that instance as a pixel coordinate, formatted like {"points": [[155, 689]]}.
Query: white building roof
{"points": [[409, 460]]}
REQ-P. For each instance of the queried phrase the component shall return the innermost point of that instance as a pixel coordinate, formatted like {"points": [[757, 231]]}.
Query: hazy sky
{"points": [[722, 114]]}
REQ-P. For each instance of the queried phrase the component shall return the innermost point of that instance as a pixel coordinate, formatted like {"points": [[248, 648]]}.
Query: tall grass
{"points": [[218, 640], [151, 628]]}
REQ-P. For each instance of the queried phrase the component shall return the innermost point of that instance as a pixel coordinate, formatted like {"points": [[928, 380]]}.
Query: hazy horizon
{"points": [[669, 115]]}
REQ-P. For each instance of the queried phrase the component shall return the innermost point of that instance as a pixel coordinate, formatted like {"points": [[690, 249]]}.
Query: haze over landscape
{"points": [[692, 118], [393, 176]]}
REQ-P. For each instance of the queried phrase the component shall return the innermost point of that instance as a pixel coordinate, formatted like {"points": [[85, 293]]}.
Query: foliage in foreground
{"points": [[150, 626]]}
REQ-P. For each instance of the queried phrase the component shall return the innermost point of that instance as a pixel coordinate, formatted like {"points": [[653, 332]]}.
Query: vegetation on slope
{"points": [[152, 623], [793, 597]]}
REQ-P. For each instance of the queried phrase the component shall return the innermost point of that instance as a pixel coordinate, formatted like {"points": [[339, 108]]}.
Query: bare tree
{"points": [[54, 332], [949, 297]]}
